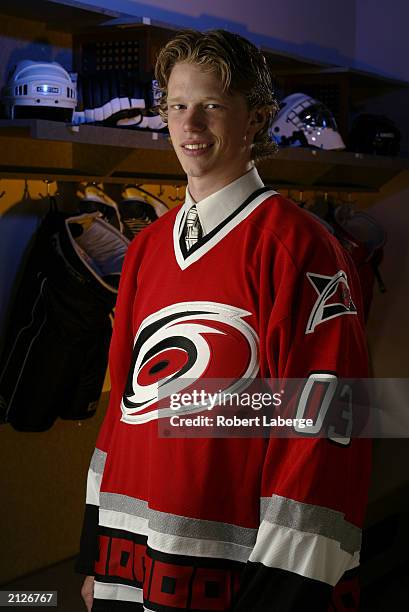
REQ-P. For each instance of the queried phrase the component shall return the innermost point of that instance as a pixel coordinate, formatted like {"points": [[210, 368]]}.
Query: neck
{"points": [[200, 187]]}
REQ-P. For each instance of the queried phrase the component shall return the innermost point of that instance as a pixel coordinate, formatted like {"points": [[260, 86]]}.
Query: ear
{"points": [[258, 119]]}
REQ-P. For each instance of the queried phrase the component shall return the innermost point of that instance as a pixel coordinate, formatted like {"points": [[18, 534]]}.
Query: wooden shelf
{"points": [[42, 129], [64, 16], [34, 148], [331, 170], [75, 16], [285, 64]]}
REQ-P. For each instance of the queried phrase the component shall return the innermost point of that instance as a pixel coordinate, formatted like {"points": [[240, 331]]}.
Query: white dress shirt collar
{"points": [[214, 209]]}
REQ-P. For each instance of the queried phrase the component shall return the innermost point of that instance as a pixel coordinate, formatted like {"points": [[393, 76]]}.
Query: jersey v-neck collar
{"points": [[184, 257], [214, 209]]}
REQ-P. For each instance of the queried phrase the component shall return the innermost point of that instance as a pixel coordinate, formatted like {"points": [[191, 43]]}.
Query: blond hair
{"points": [[241, 67]]}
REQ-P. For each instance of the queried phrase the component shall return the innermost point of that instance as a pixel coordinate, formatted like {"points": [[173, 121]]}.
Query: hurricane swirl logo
{"points": [[182, 344]]}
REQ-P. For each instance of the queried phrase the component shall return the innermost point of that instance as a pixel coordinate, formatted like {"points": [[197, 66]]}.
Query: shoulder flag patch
{"points": [[334, 298]]}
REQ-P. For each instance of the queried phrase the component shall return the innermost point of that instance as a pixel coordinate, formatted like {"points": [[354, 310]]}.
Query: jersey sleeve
{"points": [[120, 354], [313, 490]]}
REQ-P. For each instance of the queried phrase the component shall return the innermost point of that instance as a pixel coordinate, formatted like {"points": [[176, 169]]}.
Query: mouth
{"points": [[196, 148], [197, 145]]}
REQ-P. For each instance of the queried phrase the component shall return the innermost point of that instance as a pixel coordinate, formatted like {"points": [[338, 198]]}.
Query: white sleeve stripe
{"points": [[307, 554], [93, 487], [117, 592], [178, 545], [126, 522]]}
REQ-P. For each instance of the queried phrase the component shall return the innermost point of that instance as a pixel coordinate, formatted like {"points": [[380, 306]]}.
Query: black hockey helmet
{"points": [[374, 134]]}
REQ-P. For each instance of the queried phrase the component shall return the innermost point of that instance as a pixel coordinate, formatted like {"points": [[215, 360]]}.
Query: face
{"points": [[211, 131]]}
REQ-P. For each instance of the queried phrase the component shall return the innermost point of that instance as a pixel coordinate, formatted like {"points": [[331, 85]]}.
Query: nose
{"points": [[194, 120]]}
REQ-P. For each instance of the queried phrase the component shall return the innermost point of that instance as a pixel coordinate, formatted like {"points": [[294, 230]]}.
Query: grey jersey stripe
{"points": [[201, 529], [173, 524], [311, 519], [276, 510], [98, 460], [125, 504]]}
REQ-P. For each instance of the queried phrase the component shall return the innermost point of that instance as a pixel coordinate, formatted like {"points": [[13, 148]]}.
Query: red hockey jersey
{"points": [[227, 523]]}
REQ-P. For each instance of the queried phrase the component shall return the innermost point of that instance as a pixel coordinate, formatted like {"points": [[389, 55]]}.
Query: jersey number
{"points": [[316, 398]]}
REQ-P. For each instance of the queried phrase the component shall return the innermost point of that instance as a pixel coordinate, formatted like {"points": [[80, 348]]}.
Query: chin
{"points": [[196, 171], [197, 168]]}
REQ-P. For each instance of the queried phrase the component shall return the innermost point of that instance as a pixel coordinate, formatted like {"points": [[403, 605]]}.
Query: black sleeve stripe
{"points": [[89, 541], [266, 589]]}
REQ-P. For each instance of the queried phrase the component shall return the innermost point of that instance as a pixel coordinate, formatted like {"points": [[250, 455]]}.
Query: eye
{"points": [[212, 105], [177, 106]]}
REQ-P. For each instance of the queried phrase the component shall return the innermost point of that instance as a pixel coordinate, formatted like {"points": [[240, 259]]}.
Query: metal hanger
{"points": [[177, 197]]}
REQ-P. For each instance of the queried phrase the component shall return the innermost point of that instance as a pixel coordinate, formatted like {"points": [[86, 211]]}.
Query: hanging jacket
{"points": [[54, 354]]}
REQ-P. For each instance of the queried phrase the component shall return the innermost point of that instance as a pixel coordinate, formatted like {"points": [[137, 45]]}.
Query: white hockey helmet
{"points": [[40, 90], [304, 121]]}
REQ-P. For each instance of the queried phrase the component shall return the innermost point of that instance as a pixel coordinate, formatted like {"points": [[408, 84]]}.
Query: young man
{"points": [[236, 283]]}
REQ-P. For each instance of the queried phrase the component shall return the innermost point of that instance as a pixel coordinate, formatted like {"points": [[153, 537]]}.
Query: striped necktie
{"points": [[193, 229]]}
